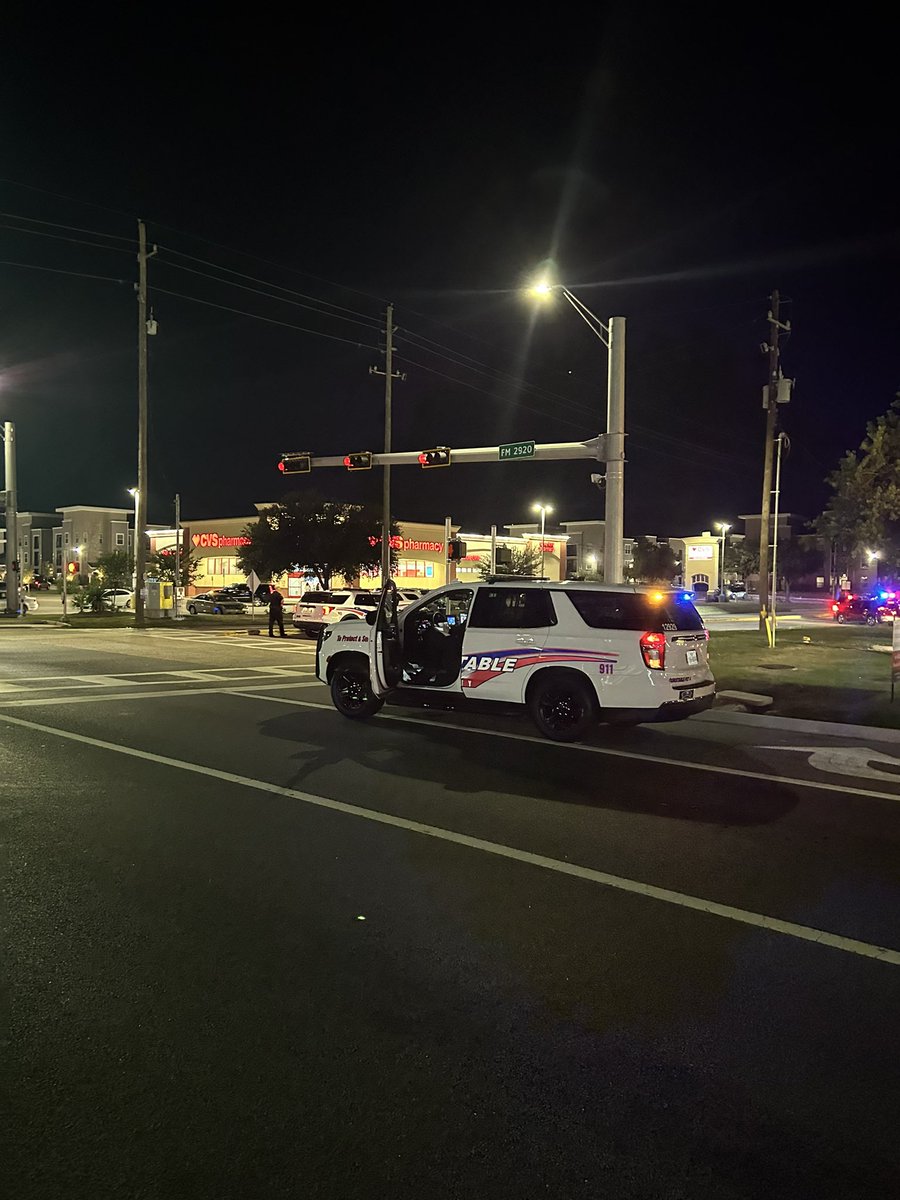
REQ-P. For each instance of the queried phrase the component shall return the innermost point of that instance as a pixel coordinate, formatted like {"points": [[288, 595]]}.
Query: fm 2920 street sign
{"points": [[515, 450]]}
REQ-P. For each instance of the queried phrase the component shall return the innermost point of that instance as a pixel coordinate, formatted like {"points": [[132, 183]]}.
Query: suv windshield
{"points": [[635, 610]]}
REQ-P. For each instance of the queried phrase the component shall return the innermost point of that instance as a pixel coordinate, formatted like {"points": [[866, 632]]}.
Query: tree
{"points": [[304, 530], [115, 570], [161, 565], [526, 561], [654, 562], [864, 509], [796, 559], [741, 559]]}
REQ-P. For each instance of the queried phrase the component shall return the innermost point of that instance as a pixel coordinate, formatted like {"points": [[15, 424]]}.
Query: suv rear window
{"points": [[365, 598], [316, 598], [634, 610]]}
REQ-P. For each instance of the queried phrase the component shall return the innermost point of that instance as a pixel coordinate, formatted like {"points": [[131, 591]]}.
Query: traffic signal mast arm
{"points": [[595, 448]]}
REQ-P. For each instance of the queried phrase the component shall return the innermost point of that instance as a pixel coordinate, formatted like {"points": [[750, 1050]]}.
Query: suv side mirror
{"points": [[371, 618]]}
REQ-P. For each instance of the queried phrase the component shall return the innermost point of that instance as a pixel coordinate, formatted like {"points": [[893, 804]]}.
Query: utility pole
{"points": [[774, 395], [13, 574], [140, 519], [145, 327], [389, 376], [614, 524], [178, 554]]}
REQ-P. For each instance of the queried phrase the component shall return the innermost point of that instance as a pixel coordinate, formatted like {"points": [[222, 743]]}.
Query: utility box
{"points": [[160, 598]]}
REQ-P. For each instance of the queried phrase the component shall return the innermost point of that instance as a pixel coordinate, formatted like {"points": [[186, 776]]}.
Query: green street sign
{"points": [[516, 450]]}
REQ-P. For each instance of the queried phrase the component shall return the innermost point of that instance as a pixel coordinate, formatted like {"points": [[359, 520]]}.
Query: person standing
{"points": [[276, 612]]}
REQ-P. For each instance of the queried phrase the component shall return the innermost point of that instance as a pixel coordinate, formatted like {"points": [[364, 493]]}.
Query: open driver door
{"points": [[385, 659]]}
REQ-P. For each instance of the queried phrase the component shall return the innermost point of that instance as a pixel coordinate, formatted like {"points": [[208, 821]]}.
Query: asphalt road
{"points": [[256, 950]]}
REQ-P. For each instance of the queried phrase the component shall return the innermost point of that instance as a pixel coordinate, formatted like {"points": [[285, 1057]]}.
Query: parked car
{"points": [[27, 603], [317, 609], [570, 653], [116, 599], [736, 591], [865, 610], [39, 583], [243, 593], [219, 603]]}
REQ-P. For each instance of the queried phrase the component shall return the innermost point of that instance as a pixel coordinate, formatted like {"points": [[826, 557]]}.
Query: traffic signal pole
{"points": [[594, 448]]}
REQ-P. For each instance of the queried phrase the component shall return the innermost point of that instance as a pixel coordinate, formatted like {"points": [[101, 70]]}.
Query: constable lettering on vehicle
{"points": [[489, 664]]}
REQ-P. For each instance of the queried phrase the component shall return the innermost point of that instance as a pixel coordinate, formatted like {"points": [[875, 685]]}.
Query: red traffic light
{"points": [[295, 464], [358, 462], [439, 457], [72, 568]]}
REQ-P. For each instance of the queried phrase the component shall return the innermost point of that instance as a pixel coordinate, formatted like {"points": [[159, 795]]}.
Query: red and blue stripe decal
{"points": [[481, 668]]}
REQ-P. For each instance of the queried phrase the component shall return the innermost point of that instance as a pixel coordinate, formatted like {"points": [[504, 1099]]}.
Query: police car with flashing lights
{"points": [[571, 653]]}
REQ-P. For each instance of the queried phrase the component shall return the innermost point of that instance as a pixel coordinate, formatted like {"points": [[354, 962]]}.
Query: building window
{"points": [[120, 539]]}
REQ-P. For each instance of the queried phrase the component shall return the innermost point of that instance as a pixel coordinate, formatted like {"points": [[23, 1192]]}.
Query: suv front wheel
{"points": [[351, 692], [562, 707]]}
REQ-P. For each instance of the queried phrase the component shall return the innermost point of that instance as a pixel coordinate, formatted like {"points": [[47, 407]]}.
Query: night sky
{"points": [[675, 173]]}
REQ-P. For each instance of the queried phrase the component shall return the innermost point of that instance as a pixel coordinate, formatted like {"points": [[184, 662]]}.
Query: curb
{"points": [[869, 733]]}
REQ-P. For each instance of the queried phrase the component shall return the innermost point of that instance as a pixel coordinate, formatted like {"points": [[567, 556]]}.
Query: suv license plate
{"points": [[692, 658], [686, 694]]}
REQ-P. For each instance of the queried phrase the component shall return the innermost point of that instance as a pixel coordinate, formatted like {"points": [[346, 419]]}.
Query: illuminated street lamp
{"points": [[543, 509], [724, 527], [612, 335], [873, 557]]}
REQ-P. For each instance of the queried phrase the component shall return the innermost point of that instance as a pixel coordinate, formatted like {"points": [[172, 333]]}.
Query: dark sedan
{"points": [[219, 603]]}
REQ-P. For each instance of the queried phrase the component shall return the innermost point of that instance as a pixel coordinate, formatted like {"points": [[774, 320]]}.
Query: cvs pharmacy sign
{"points": [[217, 541]]}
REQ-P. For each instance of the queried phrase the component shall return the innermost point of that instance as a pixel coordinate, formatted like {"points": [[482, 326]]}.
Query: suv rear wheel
{"points": [[562, 707], [351, 692]]}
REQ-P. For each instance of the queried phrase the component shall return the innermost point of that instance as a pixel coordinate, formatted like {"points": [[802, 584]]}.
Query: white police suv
{"points": [[571, 653]]}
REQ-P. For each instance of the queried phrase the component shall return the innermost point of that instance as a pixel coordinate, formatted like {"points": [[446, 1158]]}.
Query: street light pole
{"points": [[724, 528], [612, 335], [543, 509], [614, 549]]}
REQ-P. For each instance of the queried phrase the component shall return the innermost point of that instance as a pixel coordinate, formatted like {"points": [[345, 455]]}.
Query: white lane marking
{"points": [[227, 689], [620, 883], [710, 768], [128, 679], [847, 760]]}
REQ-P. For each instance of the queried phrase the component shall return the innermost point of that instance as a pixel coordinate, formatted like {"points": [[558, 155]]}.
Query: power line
{"points": [[56, 271], [71, 228], [266, 282], [499, 376], [257, 317], [60, 238], [475, 388], [259, 292]]}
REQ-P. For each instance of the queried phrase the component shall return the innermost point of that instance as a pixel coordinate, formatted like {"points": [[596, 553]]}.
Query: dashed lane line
{"points": [[741, 916]]}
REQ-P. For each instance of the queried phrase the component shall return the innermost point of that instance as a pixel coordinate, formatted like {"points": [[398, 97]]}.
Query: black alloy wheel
{"points": [[351, 692], [562, 708]]}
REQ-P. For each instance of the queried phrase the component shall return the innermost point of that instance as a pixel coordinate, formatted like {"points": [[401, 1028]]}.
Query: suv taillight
{"points": [[653, 648], [326, 609]]}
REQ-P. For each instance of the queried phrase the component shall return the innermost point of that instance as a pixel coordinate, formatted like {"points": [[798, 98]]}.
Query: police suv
{"points": [[571, 653]]}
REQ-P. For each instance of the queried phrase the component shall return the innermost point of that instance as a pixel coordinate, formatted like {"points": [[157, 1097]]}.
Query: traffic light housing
{"points": [[295, 464], [359, 462], [438, 457], [456, 550]]}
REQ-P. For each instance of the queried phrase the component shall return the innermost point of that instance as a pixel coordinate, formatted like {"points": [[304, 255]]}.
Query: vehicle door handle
{"points": [[525, 639]]}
